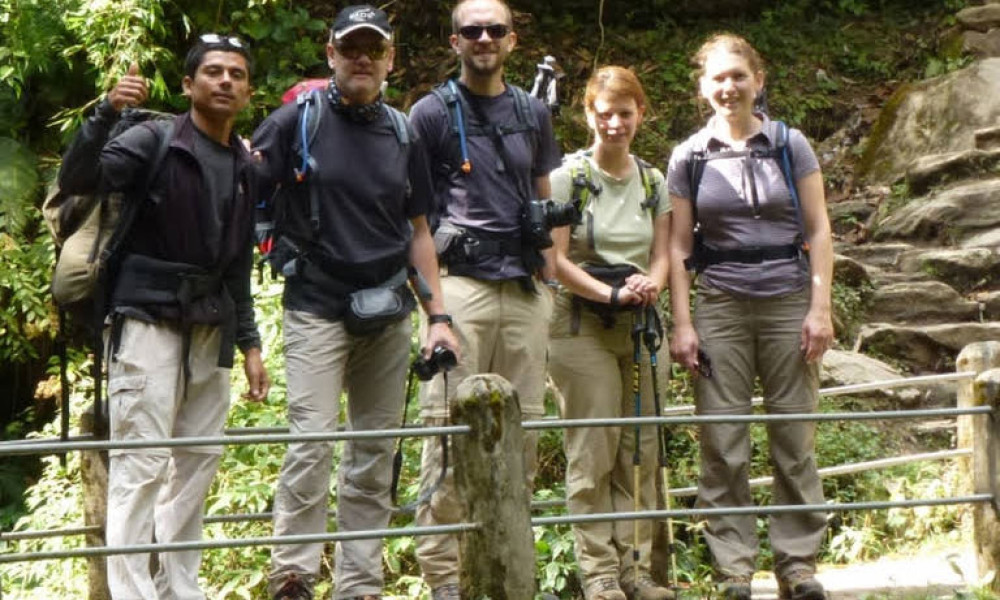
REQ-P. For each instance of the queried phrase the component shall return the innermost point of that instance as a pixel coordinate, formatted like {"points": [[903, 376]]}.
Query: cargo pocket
{"points": [[131, 417]]}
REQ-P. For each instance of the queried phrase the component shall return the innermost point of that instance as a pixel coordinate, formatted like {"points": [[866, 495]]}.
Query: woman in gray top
{"points": [[764, 260]]}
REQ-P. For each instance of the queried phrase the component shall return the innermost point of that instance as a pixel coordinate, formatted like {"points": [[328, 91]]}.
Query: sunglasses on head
{"points": [[475, 32], [222, 40], [353, 51]]}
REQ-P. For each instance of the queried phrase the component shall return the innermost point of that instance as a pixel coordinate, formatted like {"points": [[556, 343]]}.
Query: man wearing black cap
{"points": [[353, 199]]}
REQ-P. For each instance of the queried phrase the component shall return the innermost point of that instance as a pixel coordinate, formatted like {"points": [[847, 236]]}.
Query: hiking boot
{"points": [[604, 588], [448, 591], [735, 587], [800, 585], [646, 589], [294, 587]]}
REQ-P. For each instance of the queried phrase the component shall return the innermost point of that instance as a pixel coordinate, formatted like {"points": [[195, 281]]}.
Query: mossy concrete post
{"points": [[981, 434], [94, 475], [498, 560]]}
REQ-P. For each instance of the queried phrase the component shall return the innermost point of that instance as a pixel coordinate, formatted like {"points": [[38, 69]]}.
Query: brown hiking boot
{"points": [[800, 585], [294, 587], [646, 589], [604, 588]]}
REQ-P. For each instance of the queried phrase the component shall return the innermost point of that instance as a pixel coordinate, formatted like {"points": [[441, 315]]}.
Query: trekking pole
{"points": [[652, 335], [637, 329]]}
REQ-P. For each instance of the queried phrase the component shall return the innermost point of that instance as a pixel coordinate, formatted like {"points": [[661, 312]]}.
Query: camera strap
{"points": [[397, 460]]}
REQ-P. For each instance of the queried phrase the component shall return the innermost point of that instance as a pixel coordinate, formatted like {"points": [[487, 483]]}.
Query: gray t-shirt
{"points": [[488, 199], [726, 211]]}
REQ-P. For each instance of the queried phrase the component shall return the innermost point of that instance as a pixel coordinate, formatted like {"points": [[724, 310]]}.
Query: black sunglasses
{"points": [[474, 32], [222, 40], [704, 364], [350, 51]]}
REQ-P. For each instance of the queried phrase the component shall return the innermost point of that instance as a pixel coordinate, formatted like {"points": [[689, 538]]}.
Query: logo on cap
{"points": [[361, 15]]}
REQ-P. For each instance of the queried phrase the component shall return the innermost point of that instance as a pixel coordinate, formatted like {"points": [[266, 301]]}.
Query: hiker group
{"points": [[524, 263]]}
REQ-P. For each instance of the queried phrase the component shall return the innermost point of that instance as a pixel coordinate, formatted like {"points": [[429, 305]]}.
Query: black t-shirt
{"points": [[369, 186], [489, 198], [218, 162]]}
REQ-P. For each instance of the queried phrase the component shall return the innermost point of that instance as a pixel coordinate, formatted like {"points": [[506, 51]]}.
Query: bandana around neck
{"points": [[359, 113]]}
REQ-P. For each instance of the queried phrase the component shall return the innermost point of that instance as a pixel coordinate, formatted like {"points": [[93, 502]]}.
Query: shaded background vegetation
{"points": [[828, 62]]}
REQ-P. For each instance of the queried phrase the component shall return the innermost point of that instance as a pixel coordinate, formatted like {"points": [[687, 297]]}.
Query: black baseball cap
{"points": [[361, 16]]}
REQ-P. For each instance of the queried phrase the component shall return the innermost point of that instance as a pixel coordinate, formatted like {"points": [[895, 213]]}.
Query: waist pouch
{"points": [[371, 310], [614, 275]]}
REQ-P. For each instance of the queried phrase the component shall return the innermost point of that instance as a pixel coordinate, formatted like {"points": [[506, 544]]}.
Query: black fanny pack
{"points": [[614, 275], [371, 310]]}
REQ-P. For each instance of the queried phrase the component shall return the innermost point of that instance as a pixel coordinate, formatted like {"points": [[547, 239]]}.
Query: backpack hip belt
{"points": [[614, 275]]}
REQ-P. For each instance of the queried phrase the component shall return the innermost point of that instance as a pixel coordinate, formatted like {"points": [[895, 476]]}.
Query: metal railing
{"points": [[670, 416]]}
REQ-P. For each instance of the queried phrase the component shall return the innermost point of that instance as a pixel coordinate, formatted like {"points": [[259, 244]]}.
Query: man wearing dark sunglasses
{"points": [[485, 176], [355, 205], [180, 302]]}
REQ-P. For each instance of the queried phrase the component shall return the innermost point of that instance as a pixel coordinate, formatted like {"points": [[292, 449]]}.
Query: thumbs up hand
{"points": [[131, 90]]}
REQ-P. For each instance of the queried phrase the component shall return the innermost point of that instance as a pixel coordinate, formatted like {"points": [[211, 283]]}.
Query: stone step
{"points": [[936, 169], [841, 367], [915, 302], [874, 254], [881, 277], [965, 269], [924, 348], [946, 216]]}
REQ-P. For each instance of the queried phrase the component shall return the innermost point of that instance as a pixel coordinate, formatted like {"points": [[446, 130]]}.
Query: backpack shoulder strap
{"points": [[649, 186], [582, 180], [448, 94], [400, 126], [785, 160], [522, 108], [696, 161]]}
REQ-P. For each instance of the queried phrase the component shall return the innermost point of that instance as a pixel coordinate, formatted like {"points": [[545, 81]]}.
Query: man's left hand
{"points": [[257, 379]]}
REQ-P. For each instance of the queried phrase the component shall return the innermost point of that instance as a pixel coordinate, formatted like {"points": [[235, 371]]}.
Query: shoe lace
{"points": [[606, 584]]}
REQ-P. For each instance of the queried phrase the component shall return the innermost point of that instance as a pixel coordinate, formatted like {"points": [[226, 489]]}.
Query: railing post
{"points": [[498, 560], [982, 436], [94, 474]]}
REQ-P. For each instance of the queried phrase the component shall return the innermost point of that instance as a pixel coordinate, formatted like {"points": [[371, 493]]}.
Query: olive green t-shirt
{"points": [[616, 228]]}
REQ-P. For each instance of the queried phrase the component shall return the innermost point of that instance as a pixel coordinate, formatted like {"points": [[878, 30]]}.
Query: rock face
{"points": [[929, 348], [935, 116]]}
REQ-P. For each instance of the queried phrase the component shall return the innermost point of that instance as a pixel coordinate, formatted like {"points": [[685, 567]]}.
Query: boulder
{"points": [[949, 216], [979, 18], [934, 116], [965, 268], [924, 348], [921, 302], [843, 368], [849, 272]]}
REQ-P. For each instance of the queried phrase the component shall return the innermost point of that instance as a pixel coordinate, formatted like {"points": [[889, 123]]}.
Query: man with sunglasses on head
{"points": [[354, 217], [179, 303], [491, 147]]}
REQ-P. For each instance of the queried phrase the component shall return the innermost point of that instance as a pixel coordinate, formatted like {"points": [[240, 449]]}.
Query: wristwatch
{"points": [[441, 318]]}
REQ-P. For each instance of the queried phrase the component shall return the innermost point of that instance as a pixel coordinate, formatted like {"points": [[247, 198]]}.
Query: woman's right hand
{"points": [[684, 347]]}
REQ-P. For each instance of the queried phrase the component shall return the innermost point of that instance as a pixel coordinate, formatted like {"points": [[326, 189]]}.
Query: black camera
{"points": [[541, 216], [441, 359]]}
